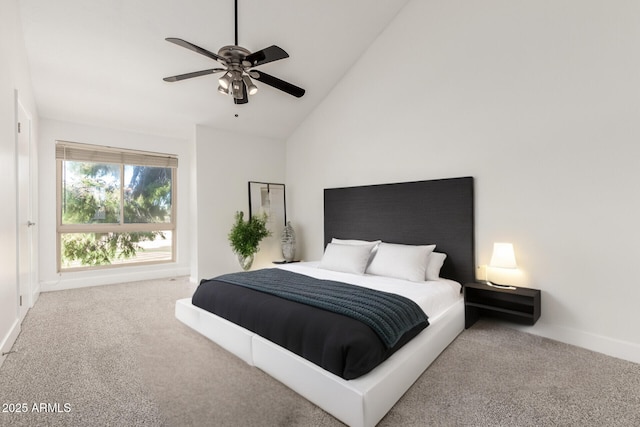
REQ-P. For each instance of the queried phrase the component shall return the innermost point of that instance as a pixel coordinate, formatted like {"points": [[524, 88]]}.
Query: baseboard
{"points": [[9, 339], [35, 295], [620, 349], [75, 280], [193, 283]]}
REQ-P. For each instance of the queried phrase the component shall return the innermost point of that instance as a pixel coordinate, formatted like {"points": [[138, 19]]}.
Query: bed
{"points": [[436, 212]]}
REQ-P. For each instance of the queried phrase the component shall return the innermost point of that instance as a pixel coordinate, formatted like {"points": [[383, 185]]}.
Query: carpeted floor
{"points": [[116, 356]]}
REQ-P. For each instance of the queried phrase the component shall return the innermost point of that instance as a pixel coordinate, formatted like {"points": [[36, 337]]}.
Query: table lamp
{"points": [[502, 257]]}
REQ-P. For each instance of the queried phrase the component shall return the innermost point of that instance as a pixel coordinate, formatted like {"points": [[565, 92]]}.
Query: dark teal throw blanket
{"points": [[389, 315]]}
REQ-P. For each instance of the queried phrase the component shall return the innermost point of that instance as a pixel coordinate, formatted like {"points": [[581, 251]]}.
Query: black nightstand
{"points": [[521, 305]]}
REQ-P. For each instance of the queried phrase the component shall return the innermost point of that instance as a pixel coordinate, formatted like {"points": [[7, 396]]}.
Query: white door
{"points": [[25, 224]]}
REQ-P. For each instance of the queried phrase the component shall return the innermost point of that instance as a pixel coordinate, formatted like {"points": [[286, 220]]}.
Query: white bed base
{"points": [[361, 402]]}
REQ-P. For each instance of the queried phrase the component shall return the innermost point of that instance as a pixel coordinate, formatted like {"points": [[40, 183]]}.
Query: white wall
{"points": [[52, 130], [226, 162], [14, 76], [539, 101]]}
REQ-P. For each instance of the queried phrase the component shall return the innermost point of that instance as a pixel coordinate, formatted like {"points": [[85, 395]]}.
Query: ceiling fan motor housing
{"points": [[234, 79]]}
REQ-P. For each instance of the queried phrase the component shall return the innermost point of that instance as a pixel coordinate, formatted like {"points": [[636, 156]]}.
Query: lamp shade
{"points": [[225, 81], [236, 89], [503, 256], [251, 88]]}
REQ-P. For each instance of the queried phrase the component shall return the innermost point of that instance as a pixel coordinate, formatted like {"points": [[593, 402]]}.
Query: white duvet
{"points": [[434, 296]]}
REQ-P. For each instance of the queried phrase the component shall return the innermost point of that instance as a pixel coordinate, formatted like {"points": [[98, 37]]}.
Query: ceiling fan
{"points": [[238, 68]]}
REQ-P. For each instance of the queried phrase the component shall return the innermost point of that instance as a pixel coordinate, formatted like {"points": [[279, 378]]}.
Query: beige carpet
{"points": [[116, 356]]}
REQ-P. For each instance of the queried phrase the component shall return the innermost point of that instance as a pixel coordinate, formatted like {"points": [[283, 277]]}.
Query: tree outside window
{"points": [[114, 213]]}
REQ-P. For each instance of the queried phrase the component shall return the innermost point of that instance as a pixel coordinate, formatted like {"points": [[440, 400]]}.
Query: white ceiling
{"points": [[101, 62]]}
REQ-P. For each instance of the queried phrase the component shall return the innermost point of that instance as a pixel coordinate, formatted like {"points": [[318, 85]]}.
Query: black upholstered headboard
{"points": [[436, 212]]}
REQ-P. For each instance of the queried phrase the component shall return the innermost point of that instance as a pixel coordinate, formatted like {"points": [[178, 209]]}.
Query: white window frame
{"points": [[74, 151]]}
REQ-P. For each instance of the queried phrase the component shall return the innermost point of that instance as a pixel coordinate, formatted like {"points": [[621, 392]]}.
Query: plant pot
{"points": [[245, 262]]}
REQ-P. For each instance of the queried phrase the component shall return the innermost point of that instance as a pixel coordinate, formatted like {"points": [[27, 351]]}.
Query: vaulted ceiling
{"points": [[101, 62]]}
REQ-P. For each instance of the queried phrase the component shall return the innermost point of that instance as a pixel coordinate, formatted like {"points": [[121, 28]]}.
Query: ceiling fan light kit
{"points": [[239, 62], [225, 80], [251, 88]]}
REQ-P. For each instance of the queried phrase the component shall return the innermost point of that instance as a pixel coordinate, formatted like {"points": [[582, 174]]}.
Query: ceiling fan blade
{"points": [[196, 49], [245, 97], [194, 74], [277, 83], [268, 54]]}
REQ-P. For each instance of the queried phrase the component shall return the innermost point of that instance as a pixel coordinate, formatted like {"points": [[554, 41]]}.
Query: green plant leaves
{"points": [[245, 236]]}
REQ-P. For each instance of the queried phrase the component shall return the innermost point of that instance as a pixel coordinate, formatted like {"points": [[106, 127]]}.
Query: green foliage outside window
{"points": [[102, 248], [92, 195]]}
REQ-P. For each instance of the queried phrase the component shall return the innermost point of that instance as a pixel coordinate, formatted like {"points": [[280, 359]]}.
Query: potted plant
{"points": [[245, 237]]}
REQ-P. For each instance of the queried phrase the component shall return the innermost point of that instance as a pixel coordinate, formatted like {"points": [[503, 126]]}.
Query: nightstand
{"points": [[521, 305]]}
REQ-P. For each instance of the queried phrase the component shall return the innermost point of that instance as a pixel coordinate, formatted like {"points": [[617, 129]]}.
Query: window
{"points": [[115, 206]]}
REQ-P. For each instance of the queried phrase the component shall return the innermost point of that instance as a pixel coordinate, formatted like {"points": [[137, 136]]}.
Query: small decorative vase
{"points": [[288, 240], [245, 262]]}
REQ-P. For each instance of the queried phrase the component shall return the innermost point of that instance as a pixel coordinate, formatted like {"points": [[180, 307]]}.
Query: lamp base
{"points": [[495, 285]]}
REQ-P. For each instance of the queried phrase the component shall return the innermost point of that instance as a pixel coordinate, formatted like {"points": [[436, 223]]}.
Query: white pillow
{"points": [[406, 262], [346, 258], [375, 243], [434, 264]]}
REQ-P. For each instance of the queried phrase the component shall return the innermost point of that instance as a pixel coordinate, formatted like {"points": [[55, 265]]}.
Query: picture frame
{"points": [[269, 198]]}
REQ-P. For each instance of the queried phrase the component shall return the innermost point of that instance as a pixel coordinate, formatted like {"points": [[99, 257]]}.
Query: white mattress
{"points": [[434, 297]]}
